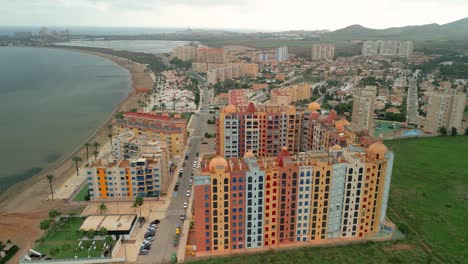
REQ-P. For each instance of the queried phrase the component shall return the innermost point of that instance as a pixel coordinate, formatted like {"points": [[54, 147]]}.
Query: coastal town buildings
{"points": [[211, 55], [444, 109], [158, 127], [363, 109], [309, 198], [323, 52], [387, 48], [220, 72], [237, 97], [146, 173], [185, 52], [291, 94], [282, 54], [265, 129]]}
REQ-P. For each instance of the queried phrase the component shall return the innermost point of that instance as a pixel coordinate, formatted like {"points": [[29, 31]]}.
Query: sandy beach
{"points": [[24, 205]]}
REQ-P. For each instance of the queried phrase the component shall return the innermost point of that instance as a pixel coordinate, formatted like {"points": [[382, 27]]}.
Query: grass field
{"points": [[427, 201], [63, 240], [82, 194]]}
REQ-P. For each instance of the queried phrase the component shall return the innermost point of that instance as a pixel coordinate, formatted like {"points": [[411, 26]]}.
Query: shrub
{"points": [[10, 254]]}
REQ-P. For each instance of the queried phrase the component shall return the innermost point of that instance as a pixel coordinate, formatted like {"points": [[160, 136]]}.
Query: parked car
{"points": [[150, 234], [185, 204], [204, 142], [143, 251], [147, 247], [187, 193], [182, 217], [156, 221]]}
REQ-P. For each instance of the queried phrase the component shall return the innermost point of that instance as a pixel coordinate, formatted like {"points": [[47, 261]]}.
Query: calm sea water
{"points": [[147, 46], [50, 102]]}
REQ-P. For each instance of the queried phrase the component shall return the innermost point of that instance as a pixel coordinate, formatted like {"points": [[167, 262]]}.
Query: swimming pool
{"points": [[412, 133]]}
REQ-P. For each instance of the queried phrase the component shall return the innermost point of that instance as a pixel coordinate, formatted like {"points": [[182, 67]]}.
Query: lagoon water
{"points": [[51, 101], [146, 46]]}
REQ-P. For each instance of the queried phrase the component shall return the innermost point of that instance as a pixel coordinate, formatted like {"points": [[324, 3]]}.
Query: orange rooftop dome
{"points": [[339, 125], [336, 147], [248, 154], [314, 106], [377, 150], [217, 161], [230, 109]]}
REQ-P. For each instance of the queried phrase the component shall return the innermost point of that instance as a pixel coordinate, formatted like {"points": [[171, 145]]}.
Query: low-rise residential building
{"points": [[147, 174], [158, 127]]}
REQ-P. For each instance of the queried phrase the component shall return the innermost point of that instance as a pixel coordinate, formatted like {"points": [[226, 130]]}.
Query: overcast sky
{"points": [[231, 14]]}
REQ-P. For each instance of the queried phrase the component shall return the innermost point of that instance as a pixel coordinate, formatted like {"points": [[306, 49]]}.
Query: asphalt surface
{"points": [[162, 247]]}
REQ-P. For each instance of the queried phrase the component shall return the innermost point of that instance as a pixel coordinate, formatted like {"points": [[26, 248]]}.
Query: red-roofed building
{"points": [[237, 97]]}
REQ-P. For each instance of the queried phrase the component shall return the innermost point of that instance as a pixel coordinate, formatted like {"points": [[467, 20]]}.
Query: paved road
{"points": [[162, 248], [412, 102]]}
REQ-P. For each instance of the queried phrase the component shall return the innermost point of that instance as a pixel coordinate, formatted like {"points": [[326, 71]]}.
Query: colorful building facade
{"points": [[315, 196], [265, 129]]}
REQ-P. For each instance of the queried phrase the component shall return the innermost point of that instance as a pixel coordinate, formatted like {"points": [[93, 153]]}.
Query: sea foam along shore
{"points": [[24, 205]]}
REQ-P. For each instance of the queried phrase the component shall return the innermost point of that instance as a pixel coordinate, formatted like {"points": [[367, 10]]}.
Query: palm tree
{"points": [[102, 208], [76, 160], [110, 138], [50, 177], [96, 145], [95, 154], [134, 206], [139, 201], [87, 145], [109, 126]]}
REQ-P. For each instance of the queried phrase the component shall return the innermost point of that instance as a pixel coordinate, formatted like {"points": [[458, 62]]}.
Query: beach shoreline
{"points": [[23, 205]]}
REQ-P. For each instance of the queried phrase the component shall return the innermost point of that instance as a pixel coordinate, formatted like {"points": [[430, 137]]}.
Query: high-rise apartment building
{"points": [[387, 48], [405, 48], [445, 109], [264, 130], [211, 55], [185, 52], [323, 52], [370, 48], [363, 109], [311, 197], [282, 54], [158, 127], [146, 175]]}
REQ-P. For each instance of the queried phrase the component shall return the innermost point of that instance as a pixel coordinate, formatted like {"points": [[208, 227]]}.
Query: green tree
{"points": [[96, 145], [45, 225], [102, 232], [466, 131], [53, 214], [109, 126], [95, 154], [77, 159], [87, 145], [50, 177], [139, 201], [453, 131], [80, 233], [102, 208], [443, 131]]}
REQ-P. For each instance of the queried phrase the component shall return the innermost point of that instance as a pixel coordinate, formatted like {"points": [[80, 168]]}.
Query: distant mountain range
{"points": [[456, 30]]}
